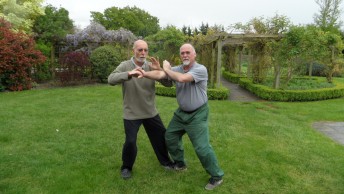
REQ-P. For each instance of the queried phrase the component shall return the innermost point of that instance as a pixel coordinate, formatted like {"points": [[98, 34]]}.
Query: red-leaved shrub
{"points": [[17, 56], [74, 67]]}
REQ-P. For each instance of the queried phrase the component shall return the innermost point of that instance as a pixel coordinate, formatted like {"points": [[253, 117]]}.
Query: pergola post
{"points": [[218, 68], [240, 59]]}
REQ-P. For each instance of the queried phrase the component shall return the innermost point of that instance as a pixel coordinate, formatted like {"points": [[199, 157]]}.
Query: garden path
{"points": [[237, 93]]}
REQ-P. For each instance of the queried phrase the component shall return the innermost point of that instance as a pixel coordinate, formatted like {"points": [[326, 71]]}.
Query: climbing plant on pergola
{"points": [[232, 46]]}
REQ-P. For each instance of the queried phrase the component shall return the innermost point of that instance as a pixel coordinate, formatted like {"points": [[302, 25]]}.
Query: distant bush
{"points": [[44, 72], [74, 67], [104, 60], [213, 93]]}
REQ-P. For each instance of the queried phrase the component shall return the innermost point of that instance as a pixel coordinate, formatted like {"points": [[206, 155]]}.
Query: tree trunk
{"points": [[277, 80], [52, 61], [310, 69]]}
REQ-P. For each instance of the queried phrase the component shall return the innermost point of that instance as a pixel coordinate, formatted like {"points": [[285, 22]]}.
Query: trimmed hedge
{"points": [[234, 78], [271, 94], [213, 94]]}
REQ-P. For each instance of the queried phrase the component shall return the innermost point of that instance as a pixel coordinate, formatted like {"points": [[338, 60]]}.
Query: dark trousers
{"points": [[155, 130]]}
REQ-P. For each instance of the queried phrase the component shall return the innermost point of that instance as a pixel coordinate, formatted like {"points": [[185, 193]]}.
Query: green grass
{"points": [[69, 140]]}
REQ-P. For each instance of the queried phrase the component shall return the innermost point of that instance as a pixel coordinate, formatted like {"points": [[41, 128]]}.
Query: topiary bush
{"points": [[104, 60]]}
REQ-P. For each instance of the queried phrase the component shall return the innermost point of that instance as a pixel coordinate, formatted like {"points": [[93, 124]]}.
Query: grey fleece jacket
{"points": [[138, 93]]}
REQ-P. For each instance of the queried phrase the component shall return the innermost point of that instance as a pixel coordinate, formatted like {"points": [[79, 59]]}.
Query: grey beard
{"points": [[140, 60], [186, 62]]}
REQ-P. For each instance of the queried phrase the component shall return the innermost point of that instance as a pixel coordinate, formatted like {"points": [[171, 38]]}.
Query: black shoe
{"points": [[125, 173], [169, 166], [180, 166], [213, 183]]}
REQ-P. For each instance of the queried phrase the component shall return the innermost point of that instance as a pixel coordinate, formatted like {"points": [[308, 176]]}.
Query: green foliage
{"points": [[44, 72], [166, 43], [21, 14], [165, 91], [298, 90], [45, 48], [138, 21], [268, 93], [53, 26], [221, 93], [234, 78], [328, 18], [17, 57], [104, 60]]}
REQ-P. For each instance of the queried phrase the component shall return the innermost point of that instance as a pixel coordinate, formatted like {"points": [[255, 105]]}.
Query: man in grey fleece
{"points": [[139, 107]]}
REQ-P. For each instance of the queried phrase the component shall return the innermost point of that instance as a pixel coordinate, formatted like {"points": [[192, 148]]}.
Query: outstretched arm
{"points": [[155, 74], [176, 76]]}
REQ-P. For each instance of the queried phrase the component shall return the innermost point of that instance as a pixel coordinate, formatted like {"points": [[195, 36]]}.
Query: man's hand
{"points": [[137, 72], [166, 65], [155, 64]]}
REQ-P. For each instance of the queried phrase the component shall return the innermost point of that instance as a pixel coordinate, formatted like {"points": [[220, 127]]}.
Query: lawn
{"points": [[69, 140]]}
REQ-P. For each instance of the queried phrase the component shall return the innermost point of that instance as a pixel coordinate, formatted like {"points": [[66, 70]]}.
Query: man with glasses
{"points": [[139, 107], [191, 117]]}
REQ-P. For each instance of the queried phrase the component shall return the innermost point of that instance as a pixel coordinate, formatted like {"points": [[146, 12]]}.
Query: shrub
{"points": [[213, 93], [73, 67], [104, 60], [44, 72], [17, 56], [310, 94]]}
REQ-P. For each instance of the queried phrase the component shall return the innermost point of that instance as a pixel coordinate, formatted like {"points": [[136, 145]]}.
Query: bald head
{"points": [[140, 43], [189, 47]]}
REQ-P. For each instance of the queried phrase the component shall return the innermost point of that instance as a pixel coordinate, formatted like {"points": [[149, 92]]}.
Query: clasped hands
{"points": [[155, 65]]}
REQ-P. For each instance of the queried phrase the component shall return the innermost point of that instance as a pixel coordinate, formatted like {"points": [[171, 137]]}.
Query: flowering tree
{"points": [[21, 14], [96, 35], [17, 56]]}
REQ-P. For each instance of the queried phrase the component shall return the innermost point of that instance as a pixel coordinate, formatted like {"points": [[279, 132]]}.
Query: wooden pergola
{"points": [[235, 40]]}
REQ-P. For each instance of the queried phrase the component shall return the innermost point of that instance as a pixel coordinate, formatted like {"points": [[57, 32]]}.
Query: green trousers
{"points": [[195, 124]]}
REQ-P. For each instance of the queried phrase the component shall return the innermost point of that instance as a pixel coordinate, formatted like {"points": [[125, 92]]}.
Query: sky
{"points": [[195, 12]]}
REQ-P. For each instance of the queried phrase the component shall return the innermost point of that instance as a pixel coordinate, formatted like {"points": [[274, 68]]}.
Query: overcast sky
{"points": [[194, 12]]}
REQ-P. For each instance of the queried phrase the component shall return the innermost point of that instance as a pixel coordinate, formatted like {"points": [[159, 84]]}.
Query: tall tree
{"points": [[138, 21], [21, 13], [204, 28], [329, 17], [52, 27], [166, 43]]}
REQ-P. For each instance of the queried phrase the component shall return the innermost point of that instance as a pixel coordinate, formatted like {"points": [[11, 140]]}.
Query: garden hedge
{"points": [[271, 94], [221, 93]]}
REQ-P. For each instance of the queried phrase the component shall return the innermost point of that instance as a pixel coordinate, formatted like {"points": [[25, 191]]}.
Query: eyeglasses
{"points": [[186, 52], [140, 50]]}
